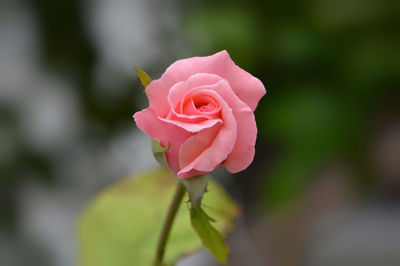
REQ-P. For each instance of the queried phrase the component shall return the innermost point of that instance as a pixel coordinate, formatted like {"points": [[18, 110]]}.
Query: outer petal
{"points": [[202, 79], [196, 144], [243, 152], [206, 150], [193, 127], [248, 88], [148, 121]]}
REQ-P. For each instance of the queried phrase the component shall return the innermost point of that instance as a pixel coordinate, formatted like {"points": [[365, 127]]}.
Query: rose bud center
{"points": [[205, 104]]}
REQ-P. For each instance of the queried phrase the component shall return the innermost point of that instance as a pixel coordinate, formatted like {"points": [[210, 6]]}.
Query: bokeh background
{"points": [[324, 188]]}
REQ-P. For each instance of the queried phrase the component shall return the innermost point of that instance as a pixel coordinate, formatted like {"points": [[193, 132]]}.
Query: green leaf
{"points": [[209, 236], [121, 226], [196, 187], [159, 152], [144, 78]]}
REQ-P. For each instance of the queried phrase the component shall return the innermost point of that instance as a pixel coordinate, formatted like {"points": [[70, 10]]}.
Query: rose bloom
{"points": [[203, 107]]}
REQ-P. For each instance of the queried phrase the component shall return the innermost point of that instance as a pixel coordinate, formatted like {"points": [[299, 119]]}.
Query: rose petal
{"points": [[243, 152], [202, 79], [148, 121], [180, 90], [207, 149], [175, 98], [192, 127], [176, 93], [248, 88]]}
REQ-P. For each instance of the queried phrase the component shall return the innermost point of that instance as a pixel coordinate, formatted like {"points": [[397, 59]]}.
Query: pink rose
{"points": [[203, 107]]}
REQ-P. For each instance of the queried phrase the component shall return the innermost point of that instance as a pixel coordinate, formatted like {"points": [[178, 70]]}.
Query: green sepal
{"points": [[196, 187], [159, 152], [144, 78], [210, 237]]}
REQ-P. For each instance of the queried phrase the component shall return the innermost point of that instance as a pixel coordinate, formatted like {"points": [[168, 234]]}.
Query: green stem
{"points": [[167, 225]]}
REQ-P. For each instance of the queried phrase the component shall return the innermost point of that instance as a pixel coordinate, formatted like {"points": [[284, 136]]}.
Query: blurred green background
{"points": [[324, 188]]}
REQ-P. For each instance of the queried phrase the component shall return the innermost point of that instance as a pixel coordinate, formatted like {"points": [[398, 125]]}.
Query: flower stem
{"points": [[167, 225]]}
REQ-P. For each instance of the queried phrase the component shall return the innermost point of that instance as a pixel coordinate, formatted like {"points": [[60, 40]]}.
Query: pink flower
{"points": [[203, 107]]}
